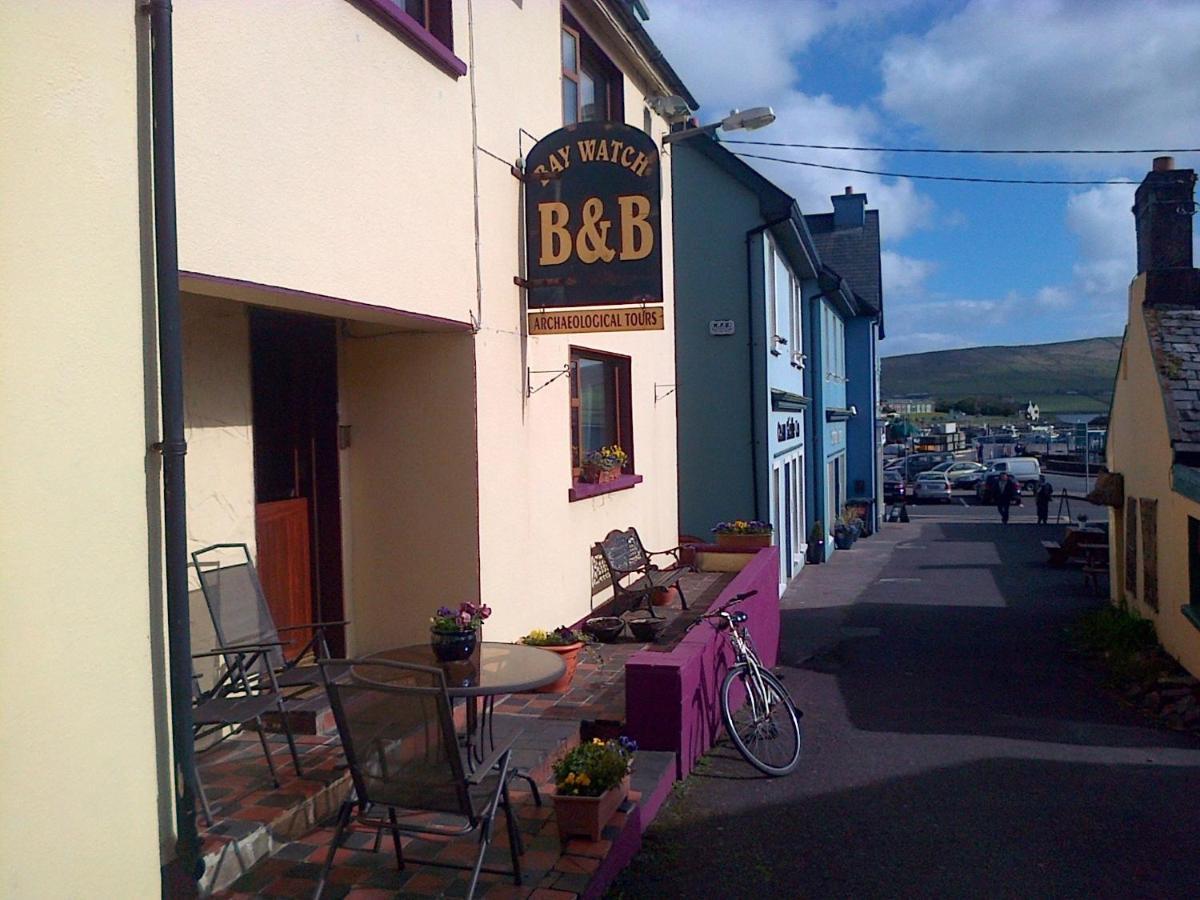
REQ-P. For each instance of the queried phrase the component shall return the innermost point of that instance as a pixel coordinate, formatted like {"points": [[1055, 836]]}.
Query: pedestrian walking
{"points": [[1007, 491], [1045, 491]]}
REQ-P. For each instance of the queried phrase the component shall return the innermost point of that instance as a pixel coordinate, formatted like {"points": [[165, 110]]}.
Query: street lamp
{"points": [[738, 119]]}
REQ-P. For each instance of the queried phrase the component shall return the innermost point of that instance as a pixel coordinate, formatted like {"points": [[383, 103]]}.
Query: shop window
{"points": [[434, 16], [601, 413], [592, 89]]}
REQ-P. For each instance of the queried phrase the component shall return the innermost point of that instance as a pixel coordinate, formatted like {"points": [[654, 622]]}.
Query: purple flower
{"points": [[464, 619], [445, 611], [484, 611], [628, 744]]}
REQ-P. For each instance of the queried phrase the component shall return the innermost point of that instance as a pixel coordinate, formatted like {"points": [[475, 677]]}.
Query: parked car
{"points": [[916, 463], [985, 490], [894, 488], [961, 473], [1025, 469], [933, 486]]}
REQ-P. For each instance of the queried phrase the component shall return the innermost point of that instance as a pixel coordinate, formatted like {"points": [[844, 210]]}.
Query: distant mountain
{"points": [[1072, 376]]}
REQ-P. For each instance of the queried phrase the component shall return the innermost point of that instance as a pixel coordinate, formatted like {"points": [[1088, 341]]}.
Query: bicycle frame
{"points": [[745, 655]]}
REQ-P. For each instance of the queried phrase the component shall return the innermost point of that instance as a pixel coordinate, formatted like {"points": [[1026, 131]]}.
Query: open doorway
{"points": [[296, 485]]}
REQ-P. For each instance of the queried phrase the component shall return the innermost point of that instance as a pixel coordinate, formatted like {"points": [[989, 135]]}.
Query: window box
{"points": [[582, 490]]}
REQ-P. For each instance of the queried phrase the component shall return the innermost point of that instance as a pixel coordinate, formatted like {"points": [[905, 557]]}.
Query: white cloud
{"points": [[904, 276], [755, 64], [1049, 73]]}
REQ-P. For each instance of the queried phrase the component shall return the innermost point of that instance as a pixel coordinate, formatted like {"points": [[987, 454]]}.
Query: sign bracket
{"points": [[665, 393], [556, 374]]}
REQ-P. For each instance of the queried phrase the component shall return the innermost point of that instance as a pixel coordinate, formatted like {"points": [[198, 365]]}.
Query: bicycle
{"points": [[766, 728]]}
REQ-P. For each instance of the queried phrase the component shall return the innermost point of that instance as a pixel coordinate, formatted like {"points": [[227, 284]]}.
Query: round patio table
{"points": [[496, 669]]}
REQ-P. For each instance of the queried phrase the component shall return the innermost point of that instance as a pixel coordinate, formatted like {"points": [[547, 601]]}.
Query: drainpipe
{"points": [[173, 446], [750, 358]]}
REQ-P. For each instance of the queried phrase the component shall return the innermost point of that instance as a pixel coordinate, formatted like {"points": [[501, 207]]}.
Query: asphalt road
{"points": [[954, 747]]}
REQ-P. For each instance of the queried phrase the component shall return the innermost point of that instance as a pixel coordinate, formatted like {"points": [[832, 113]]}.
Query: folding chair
{"points": [[397, 732], [242, 618], [231, 703]]}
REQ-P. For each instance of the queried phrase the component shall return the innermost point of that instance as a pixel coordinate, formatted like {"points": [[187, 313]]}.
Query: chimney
{"points": [[849, 210], [1162, 213]]}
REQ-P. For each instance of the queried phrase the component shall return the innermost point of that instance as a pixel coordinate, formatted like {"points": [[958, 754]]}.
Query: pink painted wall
{"points": [[672, 700]]}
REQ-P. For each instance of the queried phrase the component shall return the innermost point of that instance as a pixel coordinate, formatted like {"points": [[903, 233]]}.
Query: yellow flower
{"points": [[584, 780], [570, 778], [598, 741]]}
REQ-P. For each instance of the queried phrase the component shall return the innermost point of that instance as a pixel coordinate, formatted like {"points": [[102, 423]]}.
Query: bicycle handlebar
{"points": [[736, 598]]}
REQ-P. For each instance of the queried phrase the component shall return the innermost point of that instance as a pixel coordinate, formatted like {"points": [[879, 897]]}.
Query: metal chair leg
{"points": [[533, 788], [343, 821], [262, 739], [516, 846], [396, 838]]}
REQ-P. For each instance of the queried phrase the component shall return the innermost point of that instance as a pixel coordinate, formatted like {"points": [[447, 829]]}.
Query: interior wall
{"points": [[410, 487], [79, 585]]}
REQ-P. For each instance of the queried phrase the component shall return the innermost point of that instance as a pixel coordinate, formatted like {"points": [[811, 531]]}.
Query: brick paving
{"points": [[270, 842]]}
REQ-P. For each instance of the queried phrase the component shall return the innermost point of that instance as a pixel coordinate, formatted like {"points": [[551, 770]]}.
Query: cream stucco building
{"points": [[357, 367], [1154, 428]]}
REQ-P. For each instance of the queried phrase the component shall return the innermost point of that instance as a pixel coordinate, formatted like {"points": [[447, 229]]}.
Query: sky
{"points": [[963, 264]]}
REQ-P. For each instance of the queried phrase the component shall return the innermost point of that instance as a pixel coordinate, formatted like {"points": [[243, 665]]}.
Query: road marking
{"points": [[889, 580]]}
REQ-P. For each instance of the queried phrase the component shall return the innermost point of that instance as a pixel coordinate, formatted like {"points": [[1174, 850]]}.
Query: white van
{"points": [[1025, 469]]}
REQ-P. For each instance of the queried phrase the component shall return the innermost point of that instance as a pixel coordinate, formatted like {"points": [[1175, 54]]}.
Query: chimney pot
{"points": [[849, 189], [1163, 163]]}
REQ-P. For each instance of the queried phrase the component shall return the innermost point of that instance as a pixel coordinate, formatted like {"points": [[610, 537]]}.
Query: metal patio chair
{"points": [[242, 618], [394, 720], [232, 702]]}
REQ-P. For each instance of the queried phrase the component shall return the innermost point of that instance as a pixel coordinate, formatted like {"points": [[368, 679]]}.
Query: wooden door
{"points": [[285, 564], [296, 482]]}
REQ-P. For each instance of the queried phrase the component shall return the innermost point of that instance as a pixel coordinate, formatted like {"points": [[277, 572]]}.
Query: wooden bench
{"points": [[625, 565]]}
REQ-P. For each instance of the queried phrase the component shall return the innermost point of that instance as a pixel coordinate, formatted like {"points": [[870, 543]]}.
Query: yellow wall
{"points": [[1139, 448], [77, 675], [409, 476]]}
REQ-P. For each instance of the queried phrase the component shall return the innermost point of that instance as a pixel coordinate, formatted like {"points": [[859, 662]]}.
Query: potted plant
{"points": [[454, 635], [743, 534], [816, 543], [843, 537], [590, 783], [564, 641], [604, 465]]}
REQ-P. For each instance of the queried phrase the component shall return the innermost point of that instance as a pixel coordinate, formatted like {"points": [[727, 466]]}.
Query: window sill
{"points": [[1192, 614], [582, 490], [417, 34]]}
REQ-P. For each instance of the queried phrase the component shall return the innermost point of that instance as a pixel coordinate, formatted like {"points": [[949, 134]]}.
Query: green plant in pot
{"points": [[816, 543], [566, 642], [454, 634], [590, 782]]}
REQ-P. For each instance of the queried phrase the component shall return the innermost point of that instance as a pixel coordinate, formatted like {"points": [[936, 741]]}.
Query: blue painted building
{"points": [[847, 242], [746, 275]]}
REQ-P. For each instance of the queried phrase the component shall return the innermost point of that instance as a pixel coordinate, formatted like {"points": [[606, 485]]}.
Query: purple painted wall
{"points": [[672, 699]]}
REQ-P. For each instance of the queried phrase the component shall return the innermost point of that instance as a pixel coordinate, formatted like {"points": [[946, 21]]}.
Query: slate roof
{"points": [[1175, 342], [854, 254]]}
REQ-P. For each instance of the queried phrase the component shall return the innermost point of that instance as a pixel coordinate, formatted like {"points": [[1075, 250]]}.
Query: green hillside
{"points": [[1072, 376]]}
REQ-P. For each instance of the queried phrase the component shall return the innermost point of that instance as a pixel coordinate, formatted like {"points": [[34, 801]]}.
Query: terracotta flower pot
{"points": [[587, 816], [570, 655], [593, 474], [665, 596], [743, 541]]}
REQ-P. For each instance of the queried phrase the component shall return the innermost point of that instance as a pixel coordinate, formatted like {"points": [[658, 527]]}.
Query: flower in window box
{"points": [[604, 465], [743, 534]]}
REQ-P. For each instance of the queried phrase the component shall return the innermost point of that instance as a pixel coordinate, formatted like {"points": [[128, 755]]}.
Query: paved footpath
{"points": [[953, 747]]}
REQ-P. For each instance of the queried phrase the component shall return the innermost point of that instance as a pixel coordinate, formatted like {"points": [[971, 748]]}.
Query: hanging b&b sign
{"points": [[592, 226]]}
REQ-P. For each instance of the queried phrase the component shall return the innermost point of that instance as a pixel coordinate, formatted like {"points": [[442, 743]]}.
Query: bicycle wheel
{"points": [[766, 729]]}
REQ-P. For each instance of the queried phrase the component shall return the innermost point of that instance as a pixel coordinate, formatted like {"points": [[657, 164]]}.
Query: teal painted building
{"points": [[745, 277]]}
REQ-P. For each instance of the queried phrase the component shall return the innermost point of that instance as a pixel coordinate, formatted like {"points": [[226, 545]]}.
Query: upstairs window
{"points": [[592, 89], [601, 407], [434, 16]]}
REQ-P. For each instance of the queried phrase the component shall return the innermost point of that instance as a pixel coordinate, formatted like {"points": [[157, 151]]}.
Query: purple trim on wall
{"points": [[434, 322], [581, 490], [672, 700], [417, 34]]}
